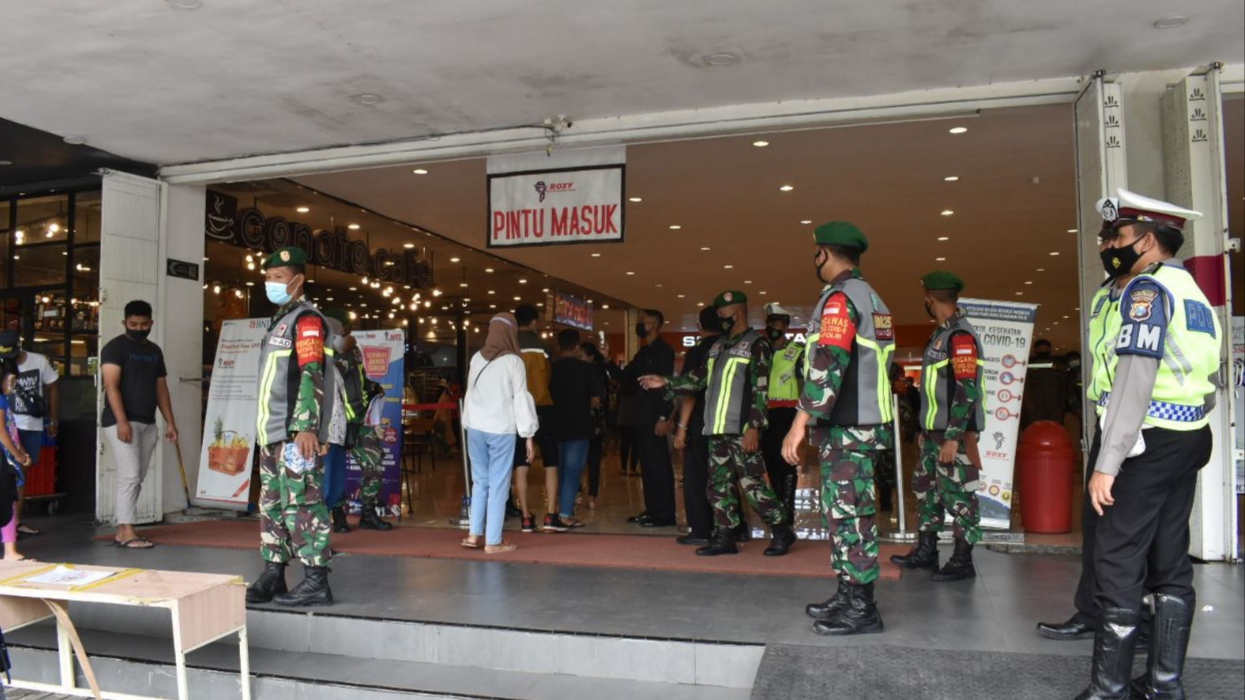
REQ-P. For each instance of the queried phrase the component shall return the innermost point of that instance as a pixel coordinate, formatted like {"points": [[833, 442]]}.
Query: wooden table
{"points": [[204, 608]]}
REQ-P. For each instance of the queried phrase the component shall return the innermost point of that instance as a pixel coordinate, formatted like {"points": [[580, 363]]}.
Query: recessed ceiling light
{"points": [[368, 99], [720, 59], [491, 291], [947, 212], [659, 284], [681, 296], [408, 246], [5, 162], [488, 269], [763, 293], [1020, 294], [1066, 316], [786, 188], [635, 199], [806, 222], [354, 289], [74, 139], [522, 281], [1072, 230], [729, 267], [454, 260], [1171, 22], [675, 227], [605, 306], [630, 273], [420, 171], [1028, 281], [944, 238], [596, 255], [951, 178], [1041, 269], [760, 144], [303, 210], [518, 298], [705, 247], [545, 290], [958, 129], [747, 281], [700, 303], [353, 227], [940, 259], [1054, 252], [186, 4]]}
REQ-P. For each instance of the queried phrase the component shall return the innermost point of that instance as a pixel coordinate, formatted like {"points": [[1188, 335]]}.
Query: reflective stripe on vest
{"points": [[728, 392], [784, 384], [865, 396], [278, 383], [1190, 356], [1104, 326], [938, 380]]}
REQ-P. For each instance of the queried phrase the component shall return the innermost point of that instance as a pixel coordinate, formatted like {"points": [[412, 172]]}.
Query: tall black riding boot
{"points": [[959, 566], [858, 615], [1169, 642], [369, 520], [721, 543], [781, 539], [314, 590], [339, 520], [1114, 637], [923, 556], [830, 608], [269, 584]]}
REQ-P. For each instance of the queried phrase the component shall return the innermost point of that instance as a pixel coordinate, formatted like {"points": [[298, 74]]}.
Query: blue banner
{"points": [[383, 362]]}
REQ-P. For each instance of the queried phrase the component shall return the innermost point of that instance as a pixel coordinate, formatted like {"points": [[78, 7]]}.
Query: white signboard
{"points": [[578, 205], [229, 422], [1005, 329]]}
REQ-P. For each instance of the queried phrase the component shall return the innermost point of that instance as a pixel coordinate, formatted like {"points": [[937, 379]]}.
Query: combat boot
{"points": [[788, 496], [857, 615], [1114, 637], [959, 566], [721, 543], [828, 609], [923, 556], [339, 520], [369, 520], [742, 533], [781, 539], [1169, 642], [314, 590], [269, 584]]}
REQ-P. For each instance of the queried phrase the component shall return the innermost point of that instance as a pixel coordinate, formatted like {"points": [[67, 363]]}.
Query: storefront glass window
{"points": [[43, 220], [83, 311], [86, 225], [40, 264], [6, 211]]}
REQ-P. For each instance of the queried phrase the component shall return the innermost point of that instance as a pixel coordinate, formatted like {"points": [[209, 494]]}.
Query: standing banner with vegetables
{"points": [[229, 422]]}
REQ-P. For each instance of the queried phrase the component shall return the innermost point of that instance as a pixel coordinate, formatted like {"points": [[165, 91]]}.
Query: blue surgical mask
{"points": [[278, 292]]}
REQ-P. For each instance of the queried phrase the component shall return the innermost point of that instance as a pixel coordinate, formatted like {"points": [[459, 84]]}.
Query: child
{"points": [[15, 460]]}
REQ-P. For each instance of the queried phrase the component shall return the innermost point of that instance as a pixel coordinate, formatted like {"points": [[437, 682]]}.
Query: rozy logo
{"points": [[542, 188]]}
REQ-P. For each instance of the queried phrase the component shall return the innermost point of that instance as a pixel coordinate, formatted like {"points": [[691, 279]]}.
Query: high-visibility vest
{"points": [[784, 378], [1104, 325], [865, 396], [938, 378], [279, 378], [728, 393]]}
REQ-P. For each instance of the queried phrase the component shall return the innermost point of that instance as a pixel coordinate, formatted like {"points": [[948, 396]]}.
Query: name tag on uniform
{"points": [[280, 342], [1199, 317], [883, 327]]}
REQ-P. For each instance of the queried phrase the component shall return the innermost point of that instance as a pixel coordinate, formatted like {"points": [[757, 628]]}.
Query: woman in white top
{"points": [[496, 408]]}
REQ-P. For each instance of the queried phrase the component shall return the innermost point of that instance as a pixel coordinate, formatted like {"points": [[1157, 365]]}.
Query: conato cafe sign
{"points": [[577, 205]]}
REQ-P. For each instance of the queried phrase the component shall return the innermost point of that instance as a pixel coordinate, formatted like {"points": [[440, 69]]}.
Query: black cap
{"points": [[9, 344]]}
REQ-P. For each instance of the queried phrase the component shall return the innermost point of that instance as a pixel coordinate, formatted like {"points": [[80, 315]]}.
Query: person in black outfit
{"points": [[592, 355], [653, 424], [694, 443]]}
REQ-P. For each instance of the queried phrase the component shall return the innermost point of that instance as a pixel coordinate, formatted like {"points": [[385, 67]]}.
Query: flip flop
{"points": [[136, 543], [501, 548], [468, 544], [28, 530], [573, 523]]}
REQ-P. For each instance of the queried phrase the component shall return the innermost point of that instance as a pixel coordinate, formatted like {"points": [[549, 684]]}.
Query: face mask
{"points": [[278, 292], [818, 262], [1119, 261], [1042, 354], [727, 323], [641, 330], [773, 334], [137, 336]]}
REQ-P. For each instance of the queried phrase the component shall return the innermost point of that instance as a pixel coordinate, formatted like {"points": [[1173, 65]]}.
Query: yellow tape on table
{"points": [[111, 579]]}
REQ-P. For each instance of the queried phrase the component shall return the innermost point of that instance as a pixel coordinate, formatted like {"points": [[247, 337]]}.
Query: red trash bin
{"points": [[1047, 465]]}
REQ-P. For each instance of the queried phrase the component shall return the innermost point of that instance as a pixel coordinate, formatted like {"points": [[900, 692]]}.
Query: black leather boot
{"points": [[788, 496], [959, 566], [822, 611], [369, 520], [781, 539], [858, 615], [743, 533], [314, 590], [1114, 637], [923, 556], [721, 543], [269, 584], [1074, 628], [339, 520], [1169, 638]]}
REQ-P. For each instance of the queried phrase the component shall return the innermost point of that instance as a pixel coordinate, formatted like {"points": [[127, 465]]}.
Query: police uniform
{"points": [[1155, 436], [786, 372], [850, 341], [952, 409], [735, 379], [298, 392]]}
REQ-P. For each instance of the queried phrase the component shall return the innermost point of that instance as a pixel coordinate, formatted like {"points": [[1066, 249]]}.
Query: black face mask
{"points": [[641, 330], [137, 336], [1119, 261], [773, 334], [727, 323], [819, 265]]}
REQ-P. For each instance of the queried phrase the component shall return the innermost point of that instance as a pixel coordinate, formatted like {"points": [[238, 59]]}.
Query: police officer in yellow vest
{"points": [[300, 412], [1155, 438], [786, 379]]}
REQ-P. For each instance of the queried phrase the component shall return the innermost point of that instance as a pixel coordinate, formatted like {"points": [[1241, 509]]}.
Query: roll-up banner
{"points": [[1005, 329], [229, 435], [383, 363]]}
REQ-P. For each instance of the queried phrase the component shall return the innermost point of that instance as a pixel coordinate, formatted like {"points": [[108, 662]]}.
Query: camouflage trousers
{"points": [[848, 499], [728, 464], [947, 487], [368, 453], [293, 520]]}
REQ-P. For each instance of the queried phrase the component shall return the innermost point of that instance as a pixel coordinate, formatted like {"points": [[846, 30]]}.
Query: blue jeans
{"points": [[572, 456], [32, 443], [492, 460], [335, 476]]}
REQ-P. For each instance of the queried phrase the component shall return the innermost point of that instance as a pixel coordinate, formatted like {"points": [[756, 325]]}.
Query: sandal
{"points": [[572, 523], [136, 543], [469, 544], [501, 548], [28, 530]]}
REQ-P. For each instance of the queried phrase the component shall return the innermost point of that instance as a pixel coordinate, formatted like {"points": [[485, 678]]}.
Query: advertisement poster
{"points": [[1005, 329], [581, 205], [382, 360], [229, 423], [1238, 395], [569, 310]]}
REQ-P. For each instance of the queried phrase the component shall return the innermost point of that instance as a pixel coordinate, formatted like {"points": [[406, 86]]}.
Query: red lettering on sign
{"points": [[499, 224]]}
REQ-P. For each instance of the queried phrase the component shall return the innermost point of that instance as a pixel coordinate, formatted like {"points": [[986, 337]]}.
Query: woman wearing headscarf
{"points": [[496, 408]]}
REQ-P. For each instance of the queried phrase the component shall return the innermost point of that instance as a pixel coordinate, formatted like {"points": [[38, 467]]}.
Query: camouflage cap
{"points": [[841, 233], [728, 298], [941, 279], [284, 257]]}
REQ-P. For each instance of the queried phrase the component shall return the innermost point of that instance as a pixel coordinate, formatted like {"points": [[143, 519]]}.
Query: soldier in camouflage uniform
{"points": [[735, 378], [298, 410], [951, 414], [850, 341]]}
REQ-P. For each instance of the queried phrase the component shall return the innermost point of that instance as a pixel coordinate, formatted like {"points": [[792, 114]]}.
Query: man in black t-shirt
{"points": [[692, 440], [653, 412], [575, 386], [134, 387]]}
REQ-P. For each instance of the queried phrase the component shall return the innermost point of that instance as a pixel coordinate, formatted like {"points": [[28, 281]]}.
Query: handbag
{"points": [[29, 403]]}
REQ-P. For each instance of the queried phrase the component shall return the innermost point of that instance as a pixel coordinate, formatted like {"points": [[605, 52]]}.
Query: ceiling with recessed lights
{"points": [[179, 81]]}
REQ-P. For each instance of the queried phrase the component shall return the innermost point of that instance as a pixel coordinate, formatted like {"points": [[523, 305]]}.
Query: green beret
{"points": [[338, 315], [285, 257], [940, 279], [841, 233], [728, 298]]}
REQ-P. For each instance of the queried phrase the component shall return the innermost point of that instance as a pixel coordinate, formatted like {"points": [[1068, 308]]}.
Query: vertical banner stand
{"points": [[464, 516], [902, 534]]}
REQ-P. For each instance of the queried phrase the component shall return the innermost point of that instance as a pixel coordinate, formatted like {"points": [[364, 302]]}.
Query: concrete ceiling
{"points": [[148, 81]]}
